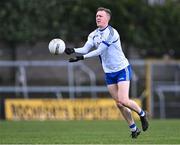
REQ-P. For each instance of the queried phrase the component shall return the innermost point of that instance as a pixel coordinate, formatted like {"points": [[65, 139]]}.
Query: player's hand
{"points": [[77, 58], [69, 51]]}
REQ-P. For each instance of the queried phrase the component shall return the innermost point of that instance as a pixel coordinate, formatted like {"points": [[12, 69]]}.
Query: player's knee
{"points": [[119, 105], [122, 102]]}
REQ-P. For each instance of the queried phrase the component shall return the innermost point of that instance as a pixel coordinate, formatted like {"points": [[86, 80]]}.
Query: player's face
{"points": [[102, 19]]}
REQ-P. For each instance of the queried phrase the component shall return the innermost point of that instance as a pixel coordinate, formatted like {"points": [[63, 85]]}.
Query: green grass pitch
{"points": [[87, 132]]}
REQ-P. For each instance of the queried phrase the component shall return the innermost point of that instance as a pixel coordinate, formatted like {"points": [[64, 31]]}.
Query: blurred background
{"points": [[149, 31]]}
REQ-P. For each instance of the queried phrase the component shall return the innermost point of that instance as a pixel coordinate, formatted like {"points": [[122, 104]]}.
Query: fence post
{"points": [[149, 103]]}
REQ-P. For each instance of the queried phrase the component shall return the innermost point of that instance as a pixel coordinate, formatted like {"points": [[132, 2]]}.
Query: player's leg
{"points": [[123, 99], [123, 96], [113, 90]]}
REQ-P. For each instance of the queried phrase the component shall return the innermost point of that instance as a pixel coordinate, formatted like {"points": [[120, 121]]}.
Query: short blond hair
{"points": [[108, 11]]}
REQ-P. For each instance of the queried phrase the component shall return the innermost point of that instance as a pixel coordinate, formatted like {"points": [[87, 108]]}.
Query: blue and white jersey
{"points": [[108, 47]]}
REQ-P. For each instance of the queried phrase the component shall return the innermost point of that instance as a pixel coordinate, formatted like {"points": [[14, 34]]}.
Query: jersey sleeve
{"points": [[96, 52], [87, 46], [112, 37]]}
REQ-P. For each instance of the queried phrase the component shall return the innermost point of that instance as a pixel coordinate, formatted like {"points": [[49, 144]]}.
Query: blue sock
{"points": [[142, 113], [133, 127]]}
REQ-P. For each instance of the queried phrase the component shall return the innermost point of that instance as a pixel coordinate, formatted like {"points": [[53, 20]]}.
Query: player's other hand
{"points": [[69, 51], [77, 58]]}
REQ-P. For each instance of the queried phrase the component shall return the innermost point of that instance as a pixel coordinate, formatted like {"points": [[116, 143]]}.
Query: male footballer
{"points": [[116, 67]]}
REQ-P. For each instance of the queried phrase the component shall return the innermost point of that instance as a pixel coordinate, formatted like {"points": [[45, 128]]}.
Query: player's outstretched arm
{"points": [[69, 51]]}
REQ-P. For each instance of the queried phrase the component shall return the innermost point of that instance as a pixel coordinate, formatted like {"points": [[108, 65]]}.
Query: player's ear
{"points": [[109, 17]]}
